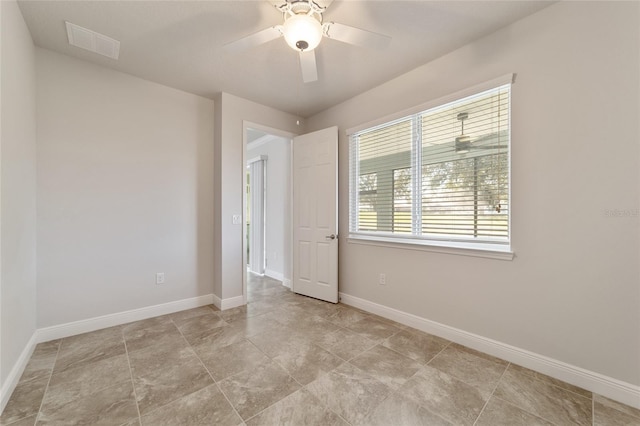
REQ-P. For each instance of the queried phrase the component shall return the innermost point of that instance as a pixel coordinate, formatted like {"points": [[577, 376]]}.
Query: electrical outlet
{"points": [[160, 278], [382, 279], [236, 219]]}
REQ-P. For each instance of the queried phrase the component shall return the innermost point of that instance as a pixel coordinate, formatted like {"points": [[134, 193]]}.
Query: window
{"points": [[439, 176]]}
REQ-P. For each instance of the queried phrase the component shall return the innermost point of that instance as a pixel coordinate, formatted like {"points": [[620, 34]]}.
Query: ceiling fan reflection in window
{"points": [[303, 29], [463, 142]]}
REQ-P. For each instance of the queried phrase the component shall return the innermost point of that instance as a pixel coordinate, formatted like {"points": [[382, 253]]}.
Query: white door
{"points": [[315, 214]]}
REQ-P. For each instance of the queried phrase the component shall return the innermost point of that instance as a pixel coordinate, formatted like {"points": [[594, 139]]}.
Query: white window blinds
{"points": [[440, 174]]}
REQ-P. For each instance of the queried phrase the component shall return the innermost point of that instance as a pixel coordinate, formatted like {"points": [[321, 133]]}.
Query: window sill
{"points": [[488, 251]]}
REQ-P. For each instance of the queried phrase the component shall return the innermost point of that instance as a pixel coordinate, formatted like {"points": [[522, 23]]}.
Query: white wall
{"points": [[573, 291], [125, 190], [278, 202], [17, 191], [229, 169]]}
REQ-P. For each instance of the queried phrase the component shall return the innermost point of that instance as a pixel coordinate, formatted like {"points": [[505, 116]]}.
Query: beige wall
{"points": [[17, 191], [125, 190], [573, 291], [231, 112]]}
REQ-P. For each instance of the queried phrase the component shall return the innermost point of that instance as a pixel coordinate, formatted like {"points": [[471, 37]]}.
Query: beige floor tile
{"points": [[111, 406], [232, 359], [25, 400], [299, 408], [217, 338], [444, 395], [275, 341], [149, 332], [388, 366], [89, 347], [608, 403], [345, 343], [162, 387], [84, 380], [252, 391], [399, 411], [307, 362], [163, 374], [374, 329], [157, 357], [344, 317], [611, 413], [349, 392], [551, 380], [110, 333], [472, 367], [314, 328], [312, 307], [191, 313], [145, 324], [416, 345], [550, 402], [200, 323], [257, 282], [240, 312], [288, 315], [207, 406], [256, 325], [42, 361], [268, 293], [499, 412], [28, 421], [260, 307]]}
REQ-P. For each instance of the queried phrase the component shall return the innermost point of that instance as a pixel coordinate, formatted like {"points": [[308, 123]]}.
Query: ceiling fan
{"points": [[303, 29], [463, 142]]}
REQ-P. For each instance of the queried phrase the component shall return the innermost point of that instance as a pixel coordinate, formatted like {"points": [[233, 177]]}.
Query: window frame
{"points": [[448, 244]]}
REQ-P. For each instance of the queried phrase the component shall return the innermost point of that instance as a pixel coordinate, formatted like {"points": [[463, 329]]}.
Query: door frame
{"points": [[275, 132]]}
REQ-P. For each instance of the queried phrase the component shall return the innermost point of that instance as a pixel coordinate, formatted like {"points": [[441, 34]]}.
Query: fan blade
{"points": [[308, 66], [255, 39], [488, 146], [353, 35], [324, 3]]}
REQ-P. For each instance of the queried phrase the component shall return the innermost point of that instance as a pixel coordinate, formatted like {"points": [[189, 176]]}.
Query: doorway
{"points": [[267, 234]]}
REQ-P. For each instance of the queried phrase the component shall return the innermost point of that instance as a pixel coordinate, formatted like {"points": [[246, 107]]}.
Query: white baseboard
{"points": [[104, 321], [609, 387], [274, 274], [286, 282], [231, 302], [217, 301], [14, 375]]}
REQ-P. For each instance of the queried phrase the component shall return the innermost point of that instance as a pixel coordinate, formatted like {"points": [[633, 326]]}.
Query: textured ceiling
{"points": [[179, 43]]}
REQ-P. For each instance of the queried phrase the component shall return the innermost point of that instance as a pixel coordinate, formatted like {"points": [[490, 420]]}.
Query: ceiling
{"points": [[180, 43]]}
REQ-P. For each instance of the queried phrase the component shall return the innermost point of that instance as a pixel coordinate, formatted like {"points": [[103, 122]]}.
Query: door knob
{"points": [[331, 237]]}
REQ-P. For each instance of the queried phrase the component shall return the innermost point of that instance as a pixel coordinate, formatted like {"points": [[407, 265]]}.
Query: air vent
{"points": [[92, 41]]}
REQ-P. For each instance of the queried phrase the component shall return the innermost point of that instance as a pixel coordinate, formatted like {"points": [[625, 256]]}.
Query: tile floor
{"points": [[285, 359]]}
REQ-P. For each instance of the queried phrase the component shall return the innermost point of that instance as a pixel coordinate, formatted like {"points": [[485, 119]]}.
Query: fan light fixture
{"points": [[463, 142], [303, 29], [302, 32]]}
